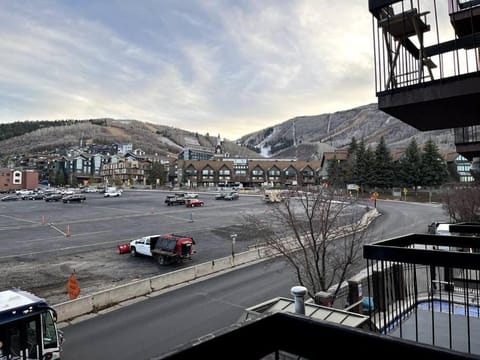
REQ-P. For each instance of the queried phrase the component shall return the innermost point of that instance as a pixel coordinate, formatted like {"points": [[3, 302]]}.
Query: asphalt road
{"points": [[161, 323]]}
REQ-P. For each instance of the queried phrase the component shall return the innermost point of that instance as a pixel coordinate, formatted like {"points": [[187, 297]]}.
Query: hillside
{"points": [[303, 137], [335, 130], [149, 137]]}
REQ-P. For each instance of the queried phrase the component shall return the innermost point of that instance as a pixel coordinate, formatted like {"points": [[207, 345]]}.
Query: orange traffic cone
{"points": [[67, 234]]}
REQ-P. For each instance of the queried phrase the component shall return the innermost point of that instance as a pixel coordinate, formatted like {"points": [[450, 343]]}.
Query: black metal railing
{"points": [[416, 42], [426, 288], [290, 336]]}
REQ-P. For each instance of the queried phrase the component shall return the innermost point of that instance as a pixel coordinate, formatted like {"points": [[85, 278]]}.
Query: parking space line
{"points": [[19, 219], [62, 249]]}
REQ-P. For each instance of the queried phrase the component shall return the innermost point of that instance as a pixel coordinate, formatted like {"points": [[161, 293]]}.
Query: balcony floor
{"points": [[422, 319], [440, 104]]}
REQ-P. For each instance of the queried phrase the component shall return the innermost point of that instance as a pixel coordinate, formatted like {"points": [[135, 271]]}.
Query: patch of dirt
{"points": [[95, 271]]}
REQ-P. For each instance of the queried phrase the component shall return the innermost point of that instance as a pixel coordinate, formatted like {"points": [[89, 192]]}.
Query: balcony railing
{"points": [[427, 288], [291, 336], [420, 41]]}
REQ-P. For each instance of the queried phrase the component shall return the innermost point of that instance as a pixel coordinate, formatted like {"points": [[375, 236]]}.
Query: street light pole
{"points": [[233, 236]]}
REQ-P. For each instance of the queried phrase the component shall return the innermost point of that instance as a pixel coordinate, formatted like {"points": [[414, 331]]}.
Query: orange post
{"points": [[67, 234], [43, 220]]}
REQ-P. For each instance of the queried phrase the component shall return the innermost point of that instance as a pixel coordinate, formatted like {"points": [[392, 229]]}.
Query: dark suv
{"points": [[74, 197]]}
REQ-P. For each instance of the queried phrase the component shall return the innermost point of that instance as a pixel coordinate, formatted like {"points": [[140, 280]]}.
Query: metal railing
{"points": [[416, 42]]}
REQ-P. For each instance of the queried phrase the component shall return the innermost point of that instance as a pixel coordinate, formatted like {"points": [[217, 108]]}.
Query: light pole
{"points": [[233, 236]]}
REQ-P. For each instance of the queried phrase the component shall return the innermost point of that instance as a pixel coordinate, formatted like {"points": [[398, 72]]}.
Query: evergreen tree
{"points": [[434, 168], [336, 173], [350, 163], [382, 174], [369, 168], [362, 166], [358, 162], [156, 172], [410, 169], [60, 177], [352, 148]]}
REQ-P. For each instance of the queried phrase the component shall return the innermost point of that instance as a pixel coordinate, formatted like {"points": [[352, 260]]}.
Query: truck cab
{"points": [[142, 246], [176, 199]]}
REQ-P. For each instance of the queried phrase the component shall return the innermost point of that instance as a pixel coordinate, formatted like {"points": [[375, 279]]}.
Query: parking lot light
{"points": [[233, 236]]}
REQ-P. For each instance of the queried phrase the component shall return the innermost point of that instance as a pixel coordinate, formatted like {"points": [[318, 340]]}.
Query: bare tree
{"points": [[462, 204], [320, 235]]}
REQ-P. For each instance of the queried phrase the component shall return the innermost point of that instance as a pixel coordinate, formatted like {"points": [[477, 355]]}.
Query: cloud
{"points": [[206, 66]]}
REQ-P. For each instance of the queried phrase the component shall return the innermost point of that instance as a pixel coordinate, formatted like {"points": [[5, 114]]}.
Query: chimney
{"points": [[299, 293]]}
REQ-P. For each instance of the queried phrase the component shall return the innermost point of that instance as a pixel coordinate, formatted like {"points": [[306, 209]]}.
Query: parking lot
{"points": [[42, 243]]}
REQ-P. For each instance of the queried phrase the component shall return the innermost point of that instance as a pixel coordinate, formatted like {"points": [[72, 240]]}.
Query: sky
{"points": [[228, 67]]}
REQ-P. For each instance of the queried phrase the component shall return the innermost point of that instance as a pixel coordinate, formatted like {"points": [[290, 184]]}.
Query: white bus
{"points": [[28, 327]]}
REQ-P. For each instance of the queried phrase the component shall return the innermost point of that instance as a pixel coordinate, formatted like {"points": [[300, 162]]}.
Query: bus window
{"points": [[32, 339], [49, 331]]}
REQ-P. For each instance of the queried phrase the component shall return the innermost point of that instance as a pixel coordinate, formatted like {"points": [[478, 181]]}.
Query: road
{"points": [[161, 323]]}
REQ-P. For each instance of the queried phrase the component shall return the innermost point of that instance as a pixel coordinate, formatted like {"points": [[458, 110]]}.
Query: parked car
{"points": [[67, 191], [74, 198], [219, 196], [231, 196], [112, 193], [89, 189], [35, 196], [191, 195], [193, 203], [53, 197], [10, 198]]}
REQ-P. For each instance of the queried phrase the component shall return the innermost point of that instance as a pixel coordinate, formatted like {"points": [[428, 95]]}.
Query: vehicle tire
{"points": [[161, 260], [201, 204], [133, 252]]}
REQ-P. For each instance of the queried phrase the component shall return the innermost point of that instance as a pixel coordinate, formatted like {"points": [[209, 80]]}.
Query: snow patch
{"points": [[265, 151]]}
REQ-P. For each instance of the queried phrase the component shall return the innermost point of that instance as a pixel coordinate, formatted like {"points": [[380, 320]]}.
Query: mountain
{"points": [[303, 137], [151, 138], [306, 137]]}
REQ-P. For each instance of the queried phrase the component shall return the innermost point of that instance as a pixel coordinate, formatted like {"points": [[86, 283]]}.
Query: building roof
{"points": [[314, 311]]}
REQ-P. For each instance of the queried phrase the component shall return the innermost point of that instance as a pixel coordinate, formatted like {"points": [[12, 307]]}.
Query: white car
{"points": [[191, 195], [115, 193]]}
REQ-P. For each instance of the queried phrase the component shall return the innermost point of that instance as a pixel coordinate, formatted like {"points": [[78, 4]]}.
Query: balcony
{"points": [[427, 83], [426, 288], [292, 336]]}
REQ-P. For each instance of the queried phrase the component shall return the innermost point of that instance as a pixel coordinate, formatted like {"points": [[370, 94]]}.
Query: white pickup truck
{"points": [[167, 248]]}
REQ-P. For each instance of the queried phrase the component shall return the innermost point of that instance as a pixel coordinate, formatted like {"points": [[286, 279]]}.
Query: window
{"points": [[224, 171], [17, 177], [49, 331], [207, 171]]}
